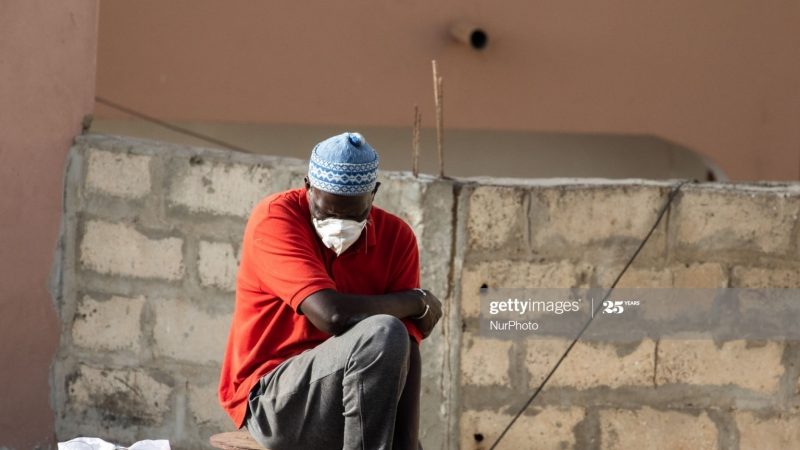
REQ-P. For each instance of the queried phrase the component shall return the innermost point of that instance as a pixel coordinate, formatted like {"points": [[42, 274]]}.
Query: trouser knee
{"points": [[386, 338]]}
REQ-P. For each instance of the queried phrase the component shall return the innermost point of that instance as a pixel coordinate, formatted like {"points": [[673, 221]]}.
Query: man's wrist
{"points": [[424, 307], [425, 313]]}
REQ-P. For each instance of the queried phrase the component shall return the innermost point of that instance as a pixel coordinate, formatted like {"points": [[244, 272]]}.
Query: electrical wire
{"points": [[172, 127]]}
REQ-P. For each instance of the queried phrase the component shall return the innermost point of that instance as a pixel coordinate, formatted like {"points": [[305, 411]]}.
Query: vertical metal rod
{"points": [[438, 95], [415, 141]]}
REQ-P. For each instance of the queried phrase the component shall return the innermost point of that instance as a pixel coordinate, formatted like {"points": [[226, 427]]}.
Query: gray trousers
{"points": [[342, 394]]}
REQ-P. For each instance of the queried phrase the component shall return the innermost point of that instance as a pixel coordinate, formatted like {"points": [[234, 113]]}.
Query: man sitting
{"points": [[323, 348]]}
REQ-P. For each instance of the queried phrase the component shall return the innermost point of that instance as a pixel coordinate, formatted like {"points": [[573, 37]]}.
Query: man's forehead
{"points": [[330, 199]]}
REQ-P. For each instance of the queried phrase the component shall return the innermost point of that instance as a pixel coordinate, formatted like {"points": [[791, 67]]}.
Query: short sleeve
{"points": [[405, 271], [285, 258]]}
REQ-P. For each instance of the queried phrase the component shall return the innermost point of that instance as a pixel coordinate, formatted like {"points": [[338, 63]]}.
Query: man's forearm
{"points": [[354, 308], [339, 311]]}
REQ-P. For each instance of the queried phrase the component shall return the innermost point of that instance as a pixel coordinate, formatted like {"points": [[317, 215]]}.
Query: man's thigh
{"points": [[300, 401]]}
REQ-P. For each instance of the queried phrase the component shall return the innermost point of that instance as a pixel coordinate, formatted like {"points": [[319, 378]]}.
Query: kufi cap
{"points": [[344, 164]]}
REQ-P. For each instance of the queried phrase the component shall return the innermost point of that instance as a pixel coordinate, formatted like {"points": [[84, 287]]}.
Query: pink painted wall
{"points": [[719, 76], [47, 67]]}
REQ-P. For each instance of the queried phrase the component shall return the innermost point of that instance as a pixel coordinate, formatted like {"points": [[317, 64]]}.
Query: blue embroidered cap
{"points": [[344, 164]]}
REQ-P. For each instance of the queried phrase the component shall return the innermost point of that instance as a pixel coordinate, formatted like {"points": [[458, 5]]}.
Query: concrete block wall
{"points": [[667, 394], [144, 281]]}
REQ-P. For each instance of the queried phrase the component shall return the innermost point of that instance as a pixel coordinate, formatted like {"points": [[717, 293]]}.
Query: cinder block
{"points": [[651, 429], [541, 355], [700, 362], [652, 285], [699, 276], [762, 278], [496, 217], [517, 274], [118, 249], [124, 393], [484, 361], [118, 174], [573, 218], [113, 324], [205, 408], [224, 189], [184, 331], [775, 433], [637, 278], [217, 265], [590, 364], [711, 220], [550, 428], [695, 276], [402, 196]]}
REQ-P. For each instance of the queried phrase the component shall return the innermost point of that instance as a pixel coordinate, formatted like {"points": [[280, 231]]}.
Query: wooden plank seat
{"points": [[235, 440]]}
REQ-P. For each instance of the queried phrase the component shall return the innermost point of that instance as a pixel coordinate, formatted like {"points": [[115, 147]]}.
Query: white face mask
{"points": [[338, 234]]}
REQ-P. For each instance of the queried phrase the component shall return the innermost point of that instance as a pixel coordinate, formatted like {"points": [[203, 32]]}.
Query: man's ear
{"points": [[377, 185], [306, 182]]}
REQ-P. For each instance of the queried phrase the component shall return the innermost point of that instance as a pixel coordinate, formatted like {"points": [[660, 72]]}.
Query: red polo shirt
{"points": [[283, 261]]}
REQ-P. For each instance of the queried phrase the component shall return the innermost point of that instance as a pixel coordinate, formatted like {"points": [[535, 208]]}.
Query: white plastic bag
{"points": [[92, 443]]}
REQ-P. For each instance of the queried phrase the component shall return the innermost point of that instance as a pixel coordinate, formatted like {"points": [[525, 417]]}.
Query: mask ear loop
{"points": [[365, 232], [366, 236]]}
